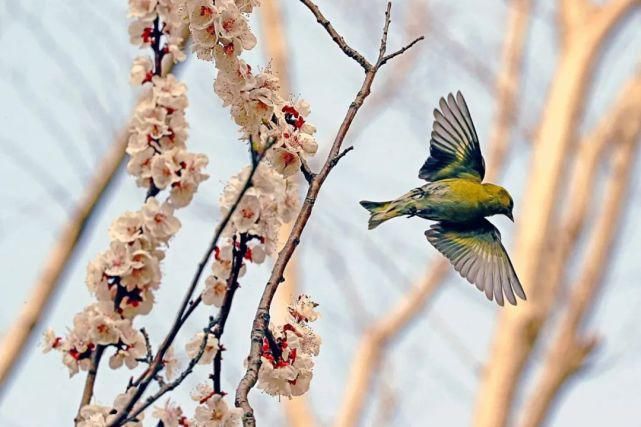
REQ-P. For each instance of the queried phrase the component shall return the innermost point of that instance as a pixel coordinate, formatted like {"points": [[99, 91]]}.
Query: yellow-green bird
{"points": [[456, 197]]}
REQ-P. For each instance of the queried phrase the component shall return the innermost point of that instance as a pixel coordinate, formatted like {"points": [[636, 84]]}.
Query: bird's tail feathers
{"points": [[379, 212]]}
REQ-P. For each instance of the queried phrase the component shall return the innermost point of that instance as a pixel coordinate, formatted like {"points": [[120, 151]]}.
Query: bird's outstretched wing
{"points": [[476, 252], [454, 145]]}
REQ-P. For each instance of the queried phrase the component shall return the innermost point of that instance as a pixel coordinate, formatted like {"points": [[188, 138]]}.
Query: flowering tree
{"points": [[255, 203]]}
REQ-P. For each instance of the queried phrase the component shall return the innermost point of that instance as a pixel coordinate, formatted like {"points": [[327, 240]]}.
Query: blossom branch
{"points": [[216, 327], [186, 309], [261, 319]]}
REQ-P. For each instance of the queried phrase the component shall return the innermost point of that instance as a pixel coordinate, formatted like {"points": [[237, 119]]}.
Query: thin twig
{"points": [[401, 50], [338, 39], [306, 171], [232, 287], [149, 357], [261, 319], [336, 159], [87, 392]]}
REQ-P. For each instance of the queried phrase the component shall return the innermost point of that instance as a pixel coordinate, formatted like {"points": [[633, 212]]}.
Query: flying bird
{"points": [[457, 198]]}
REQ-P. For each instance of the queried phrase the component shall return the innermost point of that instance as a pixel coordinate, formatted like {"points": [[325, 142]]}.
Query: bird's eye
{"points": [[418, 193]]}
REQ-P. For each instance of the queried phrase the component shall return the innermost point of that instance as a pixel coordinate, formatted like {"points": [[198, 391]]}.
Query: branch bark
{"points": [[518, 329], [261, 320]]}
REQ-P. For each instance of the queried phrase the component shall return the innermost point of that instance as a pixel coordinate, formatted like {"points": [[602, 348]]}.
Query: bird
{"points": [[458, 200]]}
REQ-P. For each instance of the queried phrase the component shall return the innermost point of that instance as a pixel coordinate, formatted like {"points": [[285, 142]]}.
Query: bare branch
{"points": [[383, 46], [338, 39], [401, 50], [306, 171], [261, 320], [336, 159]]}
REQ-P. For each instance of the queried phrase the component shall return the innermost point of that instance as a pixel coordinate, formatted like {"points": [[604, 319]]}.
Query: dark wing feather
{"points": [[454, 146], [476, 252]]}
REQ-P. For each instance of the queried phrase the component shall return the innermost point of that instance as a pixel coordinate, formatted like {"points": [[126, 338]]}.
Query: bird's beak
{"points": [[509, 215]]}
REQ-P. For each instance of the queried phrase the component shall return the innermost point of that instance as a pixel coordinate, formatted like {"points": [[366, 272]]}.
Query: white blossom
{"points": [[127, 227], [171, 363], [117, 259], [141, 70], [171, 414], [93, 416], [143, 9], [159, 219], [211, 348], [215, 412], [215, 290], [287, 367], [50, 340]]}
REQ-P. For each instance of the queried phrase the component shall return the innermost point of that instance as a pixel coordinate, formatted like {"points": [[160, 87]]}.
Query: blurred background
{"points": [[554, 88]]}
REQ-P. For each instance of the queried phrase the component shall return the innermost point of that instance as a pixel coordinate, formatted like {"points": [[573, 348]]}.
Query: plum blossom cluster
{"points": [[171, 415], [96, 325], [101, 416], [212, 410], [159, 159], [155, 22], [221, 33], [288, 351], [271, 202], [124, 278]]}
